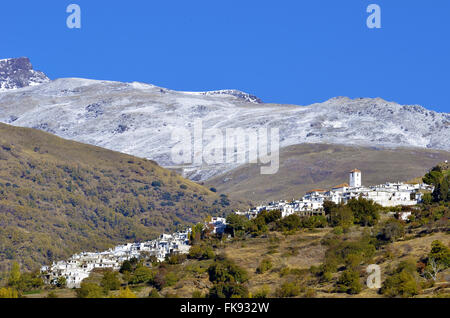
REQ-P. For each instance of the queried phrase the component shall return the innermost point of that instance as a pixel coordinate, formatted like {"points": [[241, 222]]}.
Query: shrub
{"points": [[228, 290], [315, 221], [391, 230], [154, 294], [171, 278], [310, 293], [125, 293], [142, 275], [288, 289], [263, 292], [89, 290], [8, 292], [175, 259], [110, 281], [197, 294], [264, 266], [226, 271], [156, 184], [338, 230], [402, 282], [289, 223], [349, 282], [201, 252]]}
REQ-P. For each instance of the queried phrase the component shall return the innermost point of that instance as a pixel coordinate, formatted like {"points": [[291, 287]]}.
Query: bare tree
{"points": [[433, 269]]}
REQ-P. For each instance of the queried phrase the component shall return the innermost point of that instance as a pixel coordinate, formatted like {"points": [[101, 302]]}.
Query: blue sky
{"points": [[297, 52]]}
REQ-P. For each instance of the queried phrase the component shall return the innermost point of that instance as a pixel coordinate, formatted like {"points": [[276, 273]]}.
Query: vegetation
{"points": [[357, 211], [402, 282], [90, 290], [349, 282], [110, 281], [59, 197], [264, 266], [317, 256]]}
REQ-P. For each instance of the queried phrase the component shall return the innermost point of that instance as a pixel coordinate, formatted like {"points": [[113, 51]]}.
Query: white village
{"points": [[79, 266]]}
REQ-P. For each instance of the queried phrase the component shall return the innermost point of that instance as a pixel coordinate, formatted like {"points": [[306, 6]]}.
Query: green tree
{"points": [[315, 221], [341, 215], [201, 252], [110, 281], [328, 206], [225, 270], [365, 211], [441, 191], [433, 177], [126, 267], [236, 224], [142, 275], [197, 232], [290, 223], [89, 290], [440, 254], [14, 274]]}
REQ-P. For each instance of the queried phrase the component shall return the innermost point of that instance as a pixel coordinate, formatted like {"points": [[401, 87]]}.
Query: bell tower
{"points": [[355, 178]]}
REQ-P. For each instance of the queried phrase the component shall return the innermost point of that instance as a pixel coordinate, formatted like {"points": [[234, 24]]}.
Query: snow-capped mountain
{"points": [[139, 119], [18, 72]]}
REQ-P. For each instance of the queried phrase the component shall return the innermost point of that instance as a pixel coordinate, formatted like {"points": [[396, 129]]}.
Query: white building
{"points": [[79, 266], [355, 178], [387, 195]]}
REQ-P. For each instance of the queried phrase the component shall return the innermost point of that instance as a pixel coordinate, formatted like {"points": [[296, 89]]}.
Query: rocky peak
{"points": [[18, 72]]}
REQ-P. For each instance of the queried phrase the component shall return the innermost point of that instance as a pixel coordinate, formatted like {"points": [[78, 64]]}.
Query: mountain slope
{"points": [[312, 166], [58, 197], [139, 119]]}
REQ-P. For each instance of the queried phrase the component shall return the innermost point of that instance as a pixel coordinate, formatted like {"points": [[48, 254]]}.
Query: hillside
{"points": [[58, 197], [311, 166]]}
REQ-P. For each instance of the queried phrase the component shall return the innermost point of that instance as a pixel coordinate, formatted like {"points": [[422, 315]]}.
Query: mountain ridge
{"points": [[139, 119]]}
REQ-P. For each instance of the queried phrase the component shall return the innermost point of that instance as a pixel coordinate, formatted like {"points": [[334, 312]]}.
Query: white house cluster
{"points": [[79, 266], [387, 195]]}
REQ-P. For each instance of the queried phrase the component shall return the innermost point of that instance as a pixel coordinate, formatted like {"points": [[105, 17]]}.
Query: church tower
{"points": [[355, 178]]}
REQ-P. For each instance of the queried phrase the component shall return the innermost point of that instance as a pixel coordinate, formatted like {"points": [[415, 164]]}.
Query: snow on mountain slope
{"points": [[17, 73], [138, 118]]}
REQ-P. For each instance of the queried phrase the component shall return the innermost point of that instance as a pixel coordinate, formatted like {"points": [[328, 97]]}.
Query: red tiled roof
{"points": [[316, 190], [341, 186], [355, 170]]}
